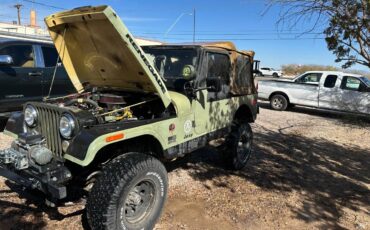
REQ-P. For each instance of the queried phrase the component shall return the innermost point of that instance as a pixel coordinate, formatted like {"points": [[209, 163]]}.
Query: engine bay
{"points": [[109, 106]]}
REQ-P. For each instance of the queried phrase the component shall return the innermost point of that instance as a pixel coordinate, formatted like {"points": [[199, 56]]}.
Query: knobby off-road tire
{"points": [[279, 102], [238, 145], [129, 194]]}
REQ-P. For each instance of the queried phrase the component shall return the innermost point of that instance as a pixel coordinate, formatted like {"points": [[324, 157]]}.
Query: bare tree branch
{"points": [[345, 23]]}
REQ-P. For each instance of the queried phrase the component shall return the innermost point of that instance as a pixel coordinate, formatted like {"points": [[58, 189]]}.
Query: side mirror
{"points": [[6, 60], [214, 84], [188, 72]]}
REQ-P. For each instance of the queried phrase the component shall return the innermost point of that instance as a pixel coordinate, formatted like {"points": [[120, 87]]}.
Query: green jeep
{"points": [[136, 107]]}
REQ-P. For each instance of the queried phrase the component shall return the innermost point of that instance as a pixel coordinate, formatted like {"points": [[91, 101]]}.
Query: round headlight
{"points": [[30, 115], [67, 126]]}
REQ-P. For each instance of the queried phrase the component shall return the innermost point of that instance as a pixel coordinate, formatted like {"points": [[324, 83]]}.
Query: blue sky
{"points": [[245, 22]]}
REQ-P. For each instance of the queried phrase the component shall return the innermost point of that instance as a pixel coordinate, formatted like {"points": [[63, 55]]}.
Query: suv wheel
{"points": [[129, 194], [238, 145], [275, 75], [278, 102]]}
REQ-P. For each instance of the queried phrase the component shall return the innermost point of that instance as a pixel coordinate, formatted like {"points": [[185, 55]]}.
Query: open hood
{"points": [[97, 49]]}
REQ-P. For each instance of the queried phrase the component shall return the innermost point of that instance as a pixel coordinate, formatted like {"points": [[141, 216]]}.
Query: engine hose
{"points": [[82, 100]]}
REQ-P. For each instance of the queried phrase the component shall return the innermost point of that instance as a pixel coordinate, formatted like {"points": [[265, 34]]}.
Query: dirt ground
{"points": [[309, 170]]}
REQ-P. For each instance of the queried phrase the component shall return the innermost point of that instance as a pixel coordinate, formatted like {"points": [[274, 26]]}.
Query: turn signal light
{"points": [[114, 137]]}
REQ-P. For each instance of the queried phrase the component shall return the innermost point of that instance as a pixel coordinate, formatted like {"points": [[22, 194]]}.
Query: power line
{"points": [[43, 4], [243, 39], [229, 34]]}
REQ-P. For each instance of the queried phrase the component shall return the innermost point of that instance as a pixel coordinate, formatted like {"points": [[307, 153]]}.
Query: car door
{"points": [[62, 84], [218, 97], [328, 92], [305, 90], [211, 106], [353, 97], [20, 81]]}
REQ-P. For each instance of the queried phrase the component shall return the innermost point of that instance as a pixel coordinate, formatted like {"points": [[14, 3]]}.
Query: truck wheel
{"points": [[129, 194], [278, 102], [275, 75], [238, 145]]}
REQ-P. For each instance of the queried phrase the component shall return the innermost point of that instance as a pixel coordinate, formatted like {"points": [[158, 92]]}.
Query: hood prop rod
{"points": [[56, 66]]}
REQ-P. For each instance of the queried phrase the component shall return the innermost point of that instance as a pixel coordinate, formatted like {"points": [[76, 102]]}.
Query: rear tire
{"points": [[238, 145], [129, 194], [279, 102]]}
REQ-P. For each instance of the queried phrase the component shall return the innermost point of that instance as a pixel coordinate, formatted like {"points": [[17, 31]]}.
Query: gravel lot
{"points": [[310, 170]]}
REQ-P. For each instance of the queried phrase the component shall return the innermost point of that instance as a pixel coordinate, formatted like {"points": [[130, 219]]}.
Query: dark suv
{"points": [[26, 70]]}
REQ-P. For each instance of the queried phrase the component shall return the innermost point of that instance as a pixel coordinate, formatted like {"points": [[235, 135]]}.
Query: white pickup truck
{"points": [[319, 89]]}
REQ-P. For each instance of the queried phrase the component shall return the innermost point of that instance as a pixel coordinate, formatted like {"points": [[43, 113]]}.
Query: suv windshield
{"points": [[170, 61]]}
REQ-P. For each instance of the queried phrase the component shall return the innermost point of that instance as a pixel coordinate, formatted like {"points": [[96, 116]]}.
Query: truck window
{"points": [[50, 56], [219, 67], [22, 55], [243, 70], [330, 81], [310, 78], [350, 83]]}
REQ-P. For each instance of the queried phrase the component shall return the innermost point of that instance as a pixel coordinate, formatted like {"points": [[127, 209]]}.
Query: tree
{"points": [[345, 24]]}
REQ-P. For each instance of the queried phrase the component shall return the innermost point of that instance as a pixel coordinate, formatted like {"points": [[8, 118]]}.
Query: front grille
{"points": [[48, 126]]}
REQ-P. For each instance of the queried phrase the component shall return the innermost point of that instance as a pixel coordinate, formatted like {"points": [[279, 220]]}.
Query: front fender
{"points": [[86, 145]]}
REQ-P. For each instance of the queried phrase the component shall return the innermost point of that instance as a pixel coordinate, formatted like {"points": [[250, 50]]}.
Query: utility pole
{"points": [[193, 25], [18, 6]]}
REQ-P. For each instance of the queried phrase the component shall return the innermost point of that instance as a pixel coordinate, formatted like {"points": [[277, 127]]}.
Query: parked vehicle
{"points": [[319, 89], [266, 71], [26, 71], [136, 108]]}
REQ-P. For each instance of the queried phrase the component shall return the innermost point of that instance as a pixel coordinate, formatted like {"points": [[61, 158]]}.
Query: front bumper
{"points": [[17, 165]]}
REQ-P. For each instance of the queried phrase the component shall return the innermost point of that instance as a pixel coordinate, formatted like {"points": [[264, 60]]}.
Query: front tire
{"points": [[278, 102], [129, 194], [275, 75], [238, 145]]}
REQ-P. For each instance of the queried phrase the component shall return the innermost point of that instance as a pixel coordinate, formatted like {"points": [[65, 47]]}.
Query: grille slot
{"points": [[48, 119]]}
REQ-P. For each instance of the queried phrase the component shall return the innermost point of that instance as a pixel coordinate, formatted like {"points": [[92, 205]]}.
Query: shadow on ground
{"points": [[330, 176], [340, 117], [33, 206]]}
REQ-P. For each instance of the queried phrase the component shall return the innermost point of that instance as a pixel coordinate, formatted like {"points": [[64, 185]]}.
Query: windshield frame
{"points": [[164, 47]]}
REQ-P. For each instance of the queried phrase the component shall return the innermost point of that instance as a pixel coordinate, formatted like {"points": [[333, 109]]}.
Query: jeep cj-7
{"points": [[136, 107]]}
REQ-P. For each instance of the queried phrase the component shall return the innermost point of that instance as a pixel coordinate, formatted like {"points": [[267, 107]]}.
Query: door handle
{"points": [[35, 73]]}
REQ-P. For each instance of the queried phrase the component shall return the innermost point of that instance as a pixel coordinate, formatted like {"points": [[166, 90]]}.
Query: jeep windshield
{"points": [[171, 61]]}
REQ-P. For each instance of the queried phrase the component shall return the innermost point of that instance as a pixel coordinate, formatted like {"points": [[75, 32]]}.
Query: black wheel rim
{"points": [[277, 103], [243, 149], [139, 201]]}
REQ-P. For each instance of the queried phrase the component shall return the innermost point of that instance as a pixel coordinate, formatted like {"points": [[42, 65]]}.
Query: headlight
{"points": [[67, 126], [30, 115]]}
